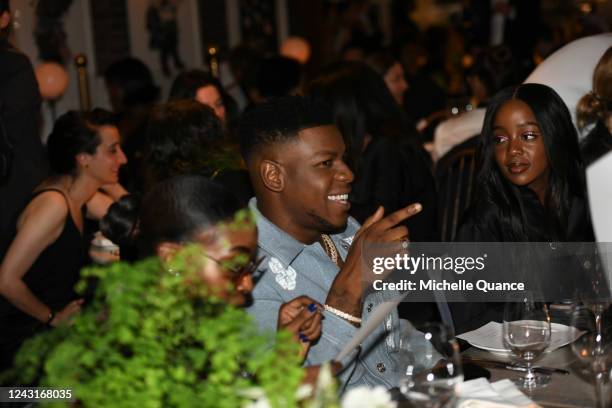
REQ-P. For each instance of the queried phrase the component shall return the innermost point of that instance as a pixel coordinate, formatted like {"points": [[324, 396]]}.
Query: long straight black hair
{"points": [[362, 105], [566, 179]]}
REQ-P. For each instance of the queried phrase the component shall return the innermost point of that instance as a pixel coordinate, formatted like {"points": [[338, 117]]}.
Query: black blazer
{"points": [[482, 224], [20, 101]]}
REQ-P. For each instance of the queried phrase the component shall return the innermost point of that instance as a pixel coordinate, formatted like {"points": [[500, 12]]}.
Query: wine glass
{"points": [[526, 332], [431, 365], [597, 304], [593, 348]]}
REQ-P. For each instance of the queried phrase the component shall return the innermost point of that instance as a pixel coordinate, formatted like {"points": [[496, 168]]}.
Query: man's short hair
{"points": [[280, 120]]}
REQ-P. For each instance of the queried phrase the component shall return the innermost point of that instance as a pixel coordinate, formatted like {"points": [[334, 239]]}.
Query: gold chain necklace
{"points": [[330, 248]]}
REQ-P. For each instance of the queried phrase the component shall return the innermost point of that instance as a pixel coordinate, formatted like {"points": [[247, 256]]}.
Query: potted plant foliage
{"points": [[151, 338]]}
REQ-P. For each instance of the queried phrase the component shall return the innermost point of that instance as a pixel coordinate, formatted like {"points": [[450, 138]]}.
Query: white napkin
{"points": [[480, 393]]}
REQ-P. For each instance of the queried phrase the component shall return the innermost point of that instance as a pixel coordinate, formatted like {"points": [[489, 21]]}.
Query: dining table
{"points": [[576, 389]]}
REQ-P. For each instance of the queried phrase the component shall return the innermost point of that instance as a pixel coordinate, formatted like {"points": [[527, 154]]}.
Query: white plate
{"points": [[489, 337]]}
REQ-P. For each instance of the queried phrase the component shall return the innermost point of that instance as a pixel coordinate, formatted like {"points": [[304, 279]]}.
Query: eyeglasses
{"points": [[237, 271]]}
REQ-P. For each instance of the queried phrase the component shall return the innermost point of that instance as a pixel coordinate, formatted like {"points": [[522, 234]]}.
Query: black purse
{"points": [[7, 150]]}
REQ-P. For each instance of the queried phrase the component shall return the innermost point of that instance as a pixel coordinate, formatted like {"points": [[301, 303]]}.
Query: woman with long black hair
{"points": [[530, 186], [383, 149]]}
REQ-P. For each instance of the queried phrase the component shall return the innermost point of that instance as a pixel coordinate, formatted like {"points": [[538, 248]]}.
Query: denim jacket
{"points": [[291, 269]]}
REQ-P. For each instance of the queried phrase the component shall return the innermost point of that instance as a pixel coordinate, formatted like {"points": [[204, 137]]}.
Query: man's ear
{"points": [[5, 19], [167, 250], [272, 175]]}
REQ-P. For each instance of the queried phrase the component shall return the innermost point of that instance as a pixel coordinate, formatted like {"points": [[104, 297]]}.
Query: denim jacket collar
{"points": [[274, 240], [286, 248]]}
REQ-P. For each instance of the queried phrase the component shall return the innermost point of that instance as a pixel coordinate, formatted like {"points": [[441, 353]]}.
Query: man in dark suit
{"points": [[20, 114]]}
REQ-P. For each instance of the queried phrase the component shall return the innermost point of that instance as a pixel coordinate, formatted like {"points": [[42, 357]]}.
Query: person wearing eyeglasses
{"points": [[191, 209]]}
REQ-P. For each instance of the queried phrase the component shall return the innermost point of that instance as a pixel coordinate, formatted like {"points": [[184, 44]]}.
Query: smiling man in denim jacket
{"points": [[294, 155]]}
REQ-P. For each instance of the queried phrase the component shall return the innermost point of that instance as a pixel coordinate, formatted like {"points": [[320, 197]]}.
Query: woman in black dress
{"points": [[41, 266]]}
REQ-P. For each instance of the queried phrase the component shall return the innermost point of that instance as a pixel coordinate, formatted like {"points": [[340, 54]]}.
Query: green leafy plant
{"points": [[152, 338]]}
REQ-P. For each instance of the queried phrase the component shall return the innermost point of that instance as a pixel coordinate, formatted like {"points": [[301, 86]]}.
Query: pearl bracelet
{"points": [[342, 314]]}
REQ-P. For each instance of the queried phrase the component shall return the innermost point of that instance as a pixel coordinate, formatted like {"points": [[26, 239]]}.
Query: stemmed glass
{"points": [[593, 348], [526, 332], [596, 304], [432, 365]]}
